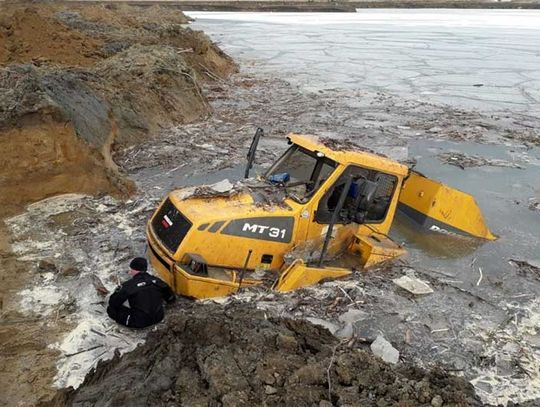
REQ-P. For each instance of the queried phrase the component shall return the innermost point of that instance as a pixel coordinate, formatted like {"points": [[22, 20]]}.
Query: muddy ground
{"points": [[237, 355], [55, 330]]}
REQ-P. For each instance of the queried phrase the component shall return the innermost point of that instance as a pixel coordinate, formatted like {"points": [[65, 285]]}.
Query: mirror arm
{"points": [[252, 150]]}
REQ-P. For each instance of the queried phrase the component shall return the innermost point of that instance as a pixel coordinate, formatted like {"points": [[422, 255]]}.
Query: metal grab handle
{"points": [[334, 218], [244, 269]]}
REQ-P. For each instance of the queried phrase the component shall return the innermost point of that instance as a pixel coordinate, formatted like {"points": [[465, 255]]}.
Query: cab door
{"points": [[376, 216]]}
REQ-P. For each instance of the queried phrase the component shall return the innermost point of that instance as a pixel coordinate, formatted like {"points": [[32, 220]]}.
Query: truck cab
{"points": [[210, 244]]}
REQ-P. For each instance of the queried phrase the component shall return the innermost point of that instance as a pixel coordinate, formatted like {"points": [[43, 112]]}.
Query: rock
{"points": [[47, 266], [286, 342], [325, 324], [413, 285], [325, 403], [267, 377], [352, 315], [222, 186], [279, 379], [270, 390], [309, 374], [346, 332], [98, 285], [437, 401], [367, 329], [384, 349], [69, 271]]}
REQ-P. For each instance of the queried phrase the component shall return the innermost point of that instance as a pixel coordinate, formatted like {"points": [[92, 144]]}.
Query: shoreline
{"points": [[316, 6]]}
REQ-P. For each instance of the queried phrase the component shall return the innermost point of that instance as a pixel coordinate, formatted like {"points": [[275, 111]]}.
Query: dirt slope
{"points": [[207, 355], [20, 34], [77, 82]]}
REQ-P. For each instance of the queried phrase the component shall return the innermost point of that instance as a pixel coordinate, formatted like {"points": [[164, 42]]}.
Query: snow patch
{"points": [[515, 343], [41, 300], [37, 237]]}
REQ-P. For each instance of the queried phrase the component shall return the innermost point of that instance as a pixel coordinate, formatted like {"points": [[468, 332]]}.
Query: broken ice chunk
{"points": [[222, 186], [413, 285], [384, 349]]}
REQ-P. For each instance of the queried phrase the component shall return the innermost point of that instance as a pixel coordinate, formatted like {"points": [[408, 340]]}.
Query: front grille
{"points": [[170, 226]]}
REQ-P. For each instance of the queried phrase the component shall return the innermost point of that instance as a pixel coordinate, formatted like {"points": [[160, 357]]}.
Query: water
{"points": [[482, 59], [502, 194]]}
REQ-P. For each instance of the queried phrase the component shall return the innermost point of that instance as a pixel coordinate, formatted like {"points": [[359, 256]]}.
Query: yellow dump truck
{"points": [[321, 198]]}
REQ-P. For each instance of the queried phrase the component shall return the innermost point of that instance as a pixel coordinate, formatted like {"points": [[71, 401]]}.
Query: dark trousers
{"points": [[125, 316]]}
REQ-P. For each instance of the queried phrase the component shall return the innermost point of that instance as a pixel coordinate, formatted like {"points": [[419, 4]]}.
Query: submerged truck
{"points": [[322, 197]]}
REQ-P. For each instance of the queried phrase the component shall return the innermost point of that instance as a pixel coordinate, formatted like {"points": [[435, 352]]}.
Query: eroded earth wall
{"points": [[78, 81]]}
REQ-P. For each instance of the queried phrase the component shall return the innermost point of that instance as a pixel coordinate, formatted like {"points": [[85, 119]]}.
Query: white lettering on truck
{"points": [[435, 228], [248, 228], [261, 229]]}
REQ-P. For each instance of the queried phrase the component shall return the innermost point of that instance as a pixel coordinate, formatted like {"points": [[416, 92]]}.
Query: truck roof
{"points": [[347, 152]]}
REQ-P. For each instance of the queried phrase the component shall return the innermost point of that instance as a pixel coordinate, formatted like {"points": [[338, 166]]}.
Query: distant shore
{"points": [[319, 5]]}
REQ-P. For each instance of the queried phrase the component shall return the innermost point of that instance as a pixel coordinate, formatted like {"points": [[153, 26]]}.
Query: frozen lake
{"points": [[482, 59]]}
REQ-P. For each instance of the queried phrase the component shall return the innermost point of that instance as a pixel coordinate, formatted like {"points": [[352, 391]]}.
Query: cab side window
{"points": [[374, 212]]}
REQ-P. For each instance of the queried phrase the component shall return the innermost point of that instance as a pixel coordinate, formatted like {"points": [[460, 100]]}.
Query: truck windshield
{"points": [[301, 172]]}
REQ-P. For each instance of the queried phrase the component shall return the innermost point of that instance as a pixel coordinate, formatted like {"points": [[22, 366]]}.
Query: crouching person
{"points": [[144, 293]]}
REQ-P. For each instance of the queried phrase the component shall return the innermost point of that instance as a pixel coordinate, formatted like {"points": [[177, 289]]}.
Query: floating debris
{"points": [[534, 204], [463, 161], [527, 267]]}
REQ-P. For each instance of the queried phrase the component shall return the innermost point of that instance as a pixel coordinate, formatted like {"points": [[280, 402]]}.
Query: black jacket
{"points": [[145, 294]]}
